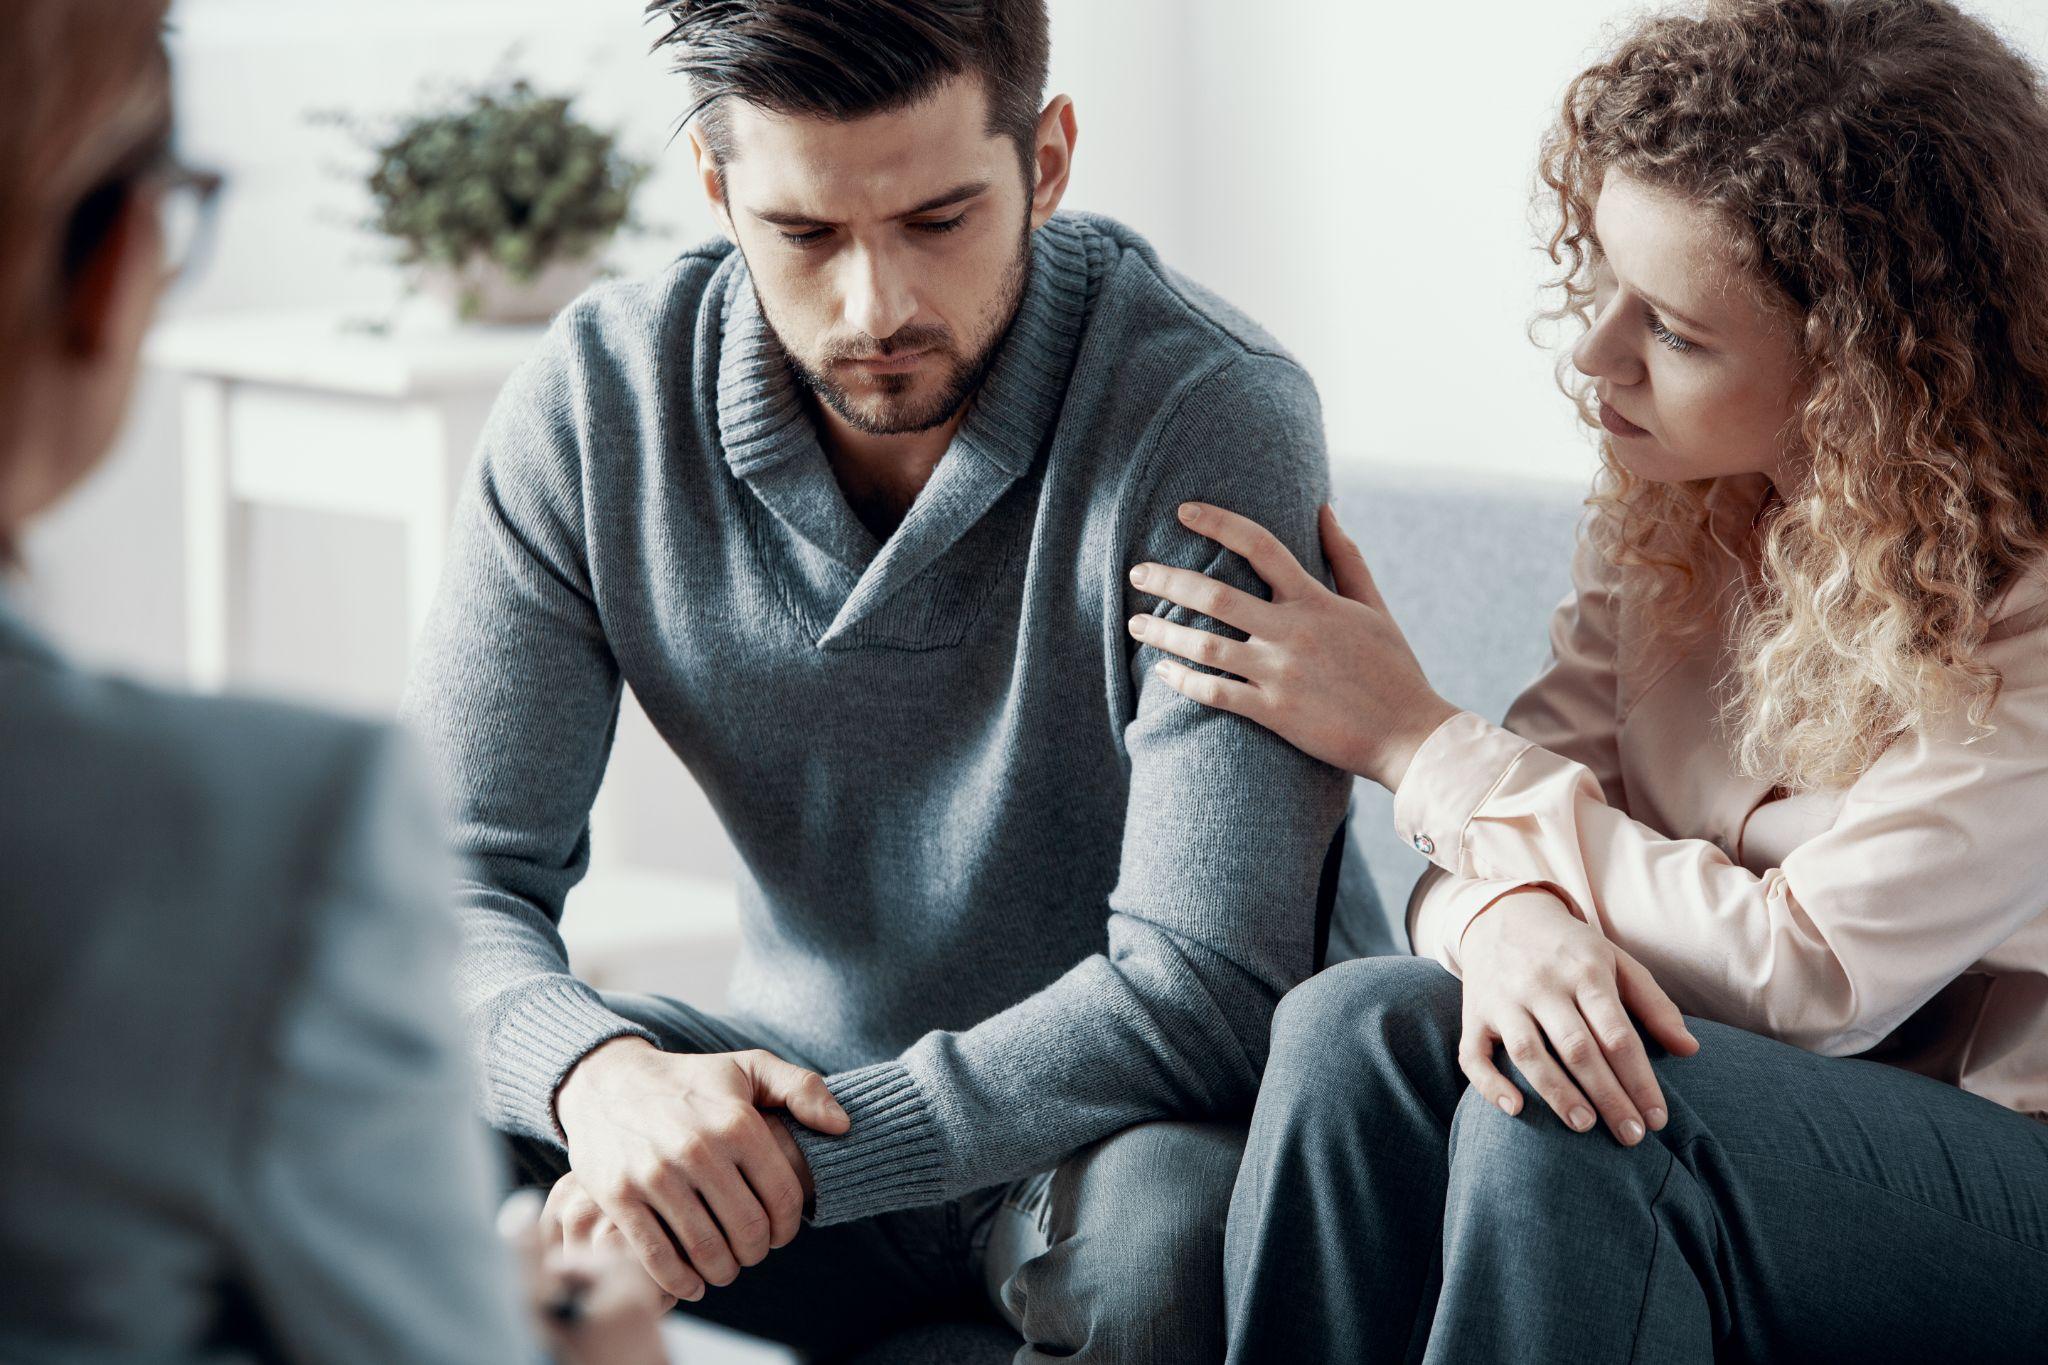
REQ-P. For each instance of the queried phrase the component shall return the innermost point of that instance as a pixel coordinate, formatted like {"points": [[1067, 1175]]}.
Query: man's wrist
{"points": [[580, 1080]]}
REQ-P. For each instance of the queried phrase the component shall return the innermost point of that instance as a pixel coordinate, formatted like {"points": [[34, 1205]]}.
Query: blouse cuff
{"points": [[1448, 909], [1450, 777]]}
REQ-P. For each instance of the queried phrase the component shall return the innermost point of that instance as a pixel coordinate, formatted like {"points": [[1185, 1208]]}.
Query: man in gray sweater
{"points": [[850, 500]]}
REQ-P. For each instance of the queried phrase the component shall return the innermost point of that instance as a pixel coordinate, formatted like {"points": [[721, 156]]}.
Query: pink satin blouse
{"points": [[1905, 917]]}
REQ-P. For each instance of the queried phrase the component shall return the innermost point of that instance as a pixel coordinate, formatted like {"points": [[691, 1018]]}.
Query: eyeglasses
{"points": [[185, 199]]}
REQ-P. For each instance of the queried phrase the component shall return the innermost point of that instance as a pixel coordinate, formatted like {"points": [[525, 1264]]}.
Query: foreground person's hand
{"points": [[588, 1306], [1548, 987], [1329, 672], [675, 1150]]}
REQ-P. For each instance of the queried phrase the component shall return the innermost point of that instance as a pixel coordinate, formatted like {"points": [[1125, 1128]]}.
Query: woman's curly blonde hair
{"points": [[1882, 166]]}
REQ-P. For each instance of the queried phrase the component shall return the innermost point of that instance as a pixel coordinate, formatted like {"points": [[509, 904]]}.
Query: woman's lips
{"points": [[1618, 424]]}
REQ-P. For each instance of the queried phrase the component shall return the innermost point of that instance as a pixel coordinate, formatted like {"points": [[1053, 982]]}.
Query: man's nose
{"points": [[879, 299]]}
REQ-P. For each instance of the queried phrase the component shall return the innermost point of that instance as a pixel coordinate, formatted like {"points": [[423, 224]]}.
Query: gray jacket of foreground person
{"points": [[234, 1112]]}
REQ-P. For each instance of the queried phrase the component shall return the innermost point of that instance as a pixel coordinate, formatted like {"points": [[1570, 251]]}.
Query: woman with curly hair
{"points": [[1787, 772]]}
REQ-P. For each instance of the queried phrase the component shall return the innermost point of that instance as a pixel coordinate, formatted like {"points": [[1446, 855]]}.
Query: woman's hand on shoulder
{"points": [[1545, 985], [1329, 672]]}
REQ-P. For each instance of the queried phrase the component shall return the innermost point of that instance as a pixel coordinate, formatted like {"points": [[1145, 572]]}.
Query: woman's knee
{"points": [[1531, 1165]]}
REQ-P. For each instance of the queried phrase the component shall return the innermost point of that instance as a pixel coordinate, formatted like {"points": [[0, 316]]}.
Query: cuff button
{"points": [[1425, 845]]}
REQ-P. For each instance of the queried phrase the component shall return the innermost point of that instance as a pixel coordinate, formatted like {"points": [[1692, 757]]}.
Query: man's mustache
{"points": [[919, 338]]}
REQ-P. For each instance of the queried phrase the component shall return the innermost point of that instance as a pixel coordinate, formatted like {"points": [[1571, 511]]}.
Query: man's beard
{"points": [[890, 413]]}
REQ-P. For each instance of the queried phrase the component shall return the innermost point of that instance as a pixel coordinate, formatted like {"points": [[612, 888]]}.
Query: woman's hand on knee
{"points": [[1553, 992]]}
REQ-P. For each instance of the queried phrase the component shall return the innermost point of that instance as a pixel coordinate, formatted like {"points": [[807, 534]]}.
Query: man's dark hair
{"points": [[847, 59]]}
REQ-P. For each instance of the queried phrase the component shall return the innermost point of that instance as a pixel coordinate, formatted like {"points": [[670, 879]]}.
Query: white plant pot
{"points": [[482, 291]]}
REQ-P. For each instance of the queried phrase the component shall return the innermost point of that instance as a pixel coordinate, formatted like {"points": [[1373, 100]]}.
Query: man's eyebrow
{"points": [[968, 190]]}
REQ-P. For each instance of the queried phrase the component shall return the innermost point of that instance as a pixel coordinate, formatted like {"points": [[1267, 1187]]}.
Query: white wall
{"points": [[1356, 176]]}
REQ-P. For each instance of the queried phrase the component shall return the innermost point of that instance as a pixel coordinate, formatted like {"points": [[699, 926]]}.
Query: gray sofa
{"points": [[1471, 569]]}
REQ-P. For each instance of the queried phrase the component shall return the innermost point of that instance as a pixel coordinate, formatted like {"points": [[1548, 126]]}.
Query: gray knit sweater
{"points": [[1005, 889]]}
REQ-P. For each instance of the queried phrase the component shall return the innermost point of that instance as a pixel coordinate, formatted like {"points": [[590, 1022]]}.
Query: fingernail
{"points": [[1163, 669], [1507, 1106], [1190, 512], [693, 1297], [1631, 1132], [1656, 1118], [1140, 574], [1138, 625], [1582, 1119]]}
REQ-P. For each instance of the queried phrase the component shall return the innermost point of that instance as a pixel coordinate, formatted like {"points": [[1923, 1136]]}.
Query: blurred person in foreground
{"points": [[232, 1113], [847, 498], [1787, 771]]}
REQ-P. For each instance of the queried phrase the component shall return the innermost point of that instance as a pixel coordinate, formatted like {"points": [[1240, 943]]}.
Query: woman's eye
{"points": [[1665, 336], [811, 238], [942, 225]]}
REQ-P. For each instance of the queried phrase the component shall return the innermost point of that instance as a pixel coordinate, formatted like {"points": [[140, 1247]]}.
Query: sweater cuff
{"points": [[538, 1042], [1449, 778], [889, 1158]]}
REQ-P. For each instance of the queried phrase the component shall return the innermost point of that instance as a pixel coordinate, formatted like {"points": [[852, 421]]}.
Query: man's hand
{"points": [[675, 1152]]}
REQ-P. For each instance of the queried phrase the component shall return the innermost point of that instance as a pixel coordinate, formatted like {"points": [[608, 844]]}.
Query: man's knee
{"points": [[1138, 1224]]}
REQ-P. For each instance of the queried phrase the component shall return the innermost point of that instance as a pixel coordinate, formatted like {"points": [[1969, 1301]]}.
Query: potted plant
{"points": [[502, 202]]}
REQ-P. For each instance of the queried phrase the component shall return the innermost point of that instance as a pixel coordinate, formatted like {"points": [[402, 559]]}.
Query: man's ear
{"points": [[1052, 158], [92, 305], [713, 181]]}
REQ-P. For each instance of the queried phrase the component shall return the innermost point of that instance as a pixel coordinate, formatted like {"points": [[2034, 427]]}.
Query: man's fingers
{"points": [[1618, 1038], [693, 1229], [1272, 561], [646, 1238], [739, 1212], [769, 1171], [784, 1085], [1574, 1043], [1646, 1000], [1531, 1056], [1475, 1059], [1347, 562]]}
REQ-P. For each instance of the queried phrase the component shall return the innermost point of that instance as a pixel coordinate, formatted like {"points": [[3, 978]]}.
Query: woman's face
{"points": [[1695, 378]]}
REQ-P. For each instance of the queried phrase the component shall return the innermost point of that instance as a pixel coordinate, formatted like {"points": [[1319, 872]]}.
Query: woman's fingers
{"points": [[1209, 689], [1475, 1059], [1531, 1056], [1347, 562], [1574, 1044], [1202, 595], [1203, 647], [1272, 561], [1646, 1000], [1618, 1038]]}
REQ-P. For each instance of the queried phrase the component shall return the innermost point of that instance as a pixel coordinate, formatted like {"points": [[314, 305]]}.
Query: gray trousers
{"points": [[1114, 1256], [1795, 1208]]}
